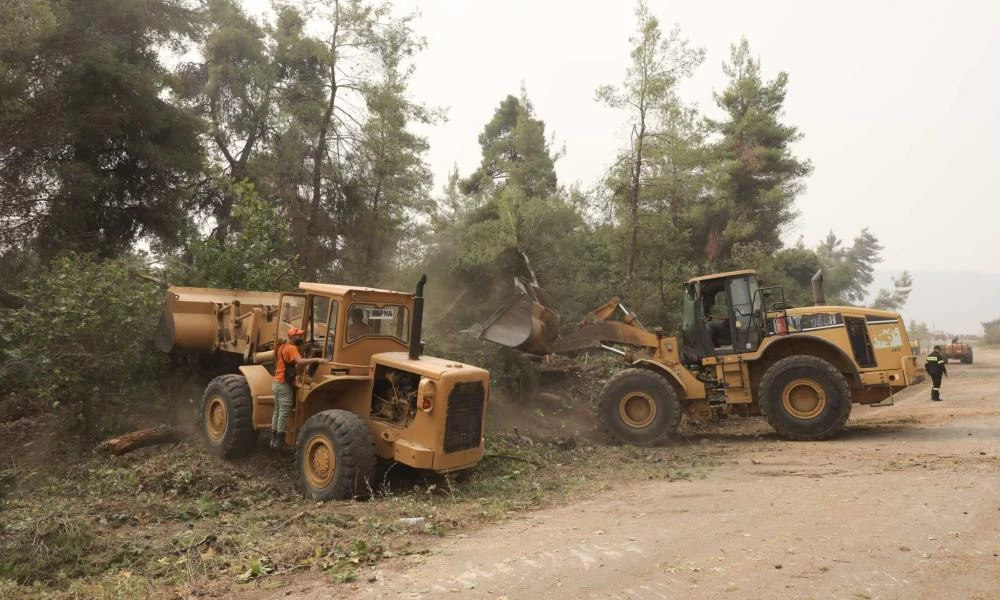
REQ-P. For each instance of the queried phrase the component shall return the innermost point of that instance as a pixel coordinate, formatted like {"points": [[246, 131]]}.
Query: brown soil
{"points": [[904, 504]]}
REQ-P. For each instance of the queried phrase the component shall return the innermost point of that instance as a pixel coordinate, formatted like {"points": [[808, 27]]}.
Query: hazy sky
{"points": [[899, 102]]}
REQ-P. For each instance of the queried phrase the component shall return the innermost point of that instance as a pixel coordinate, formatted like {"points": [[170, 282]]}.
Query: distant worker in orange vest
{"points": [[935, 368], [286, 359]]}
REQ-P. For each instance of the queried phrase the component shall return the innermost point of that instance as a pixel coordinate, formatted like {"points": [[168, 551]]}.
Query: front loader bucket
{"points": [[523, 322], [207, 319]]}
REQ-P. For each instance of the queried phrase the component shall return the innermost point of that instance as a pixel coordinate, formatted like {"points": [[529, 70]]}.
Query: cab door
{"points": [[696, 342], [745, 321], [291, 313]]}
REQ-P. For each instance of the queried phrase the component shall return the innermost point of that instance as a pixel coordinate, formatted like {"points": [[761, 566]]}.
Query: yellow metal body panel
{"points": [[420, 443], [894, 366], [207, 319], [248, 323], [330, 289], [260, 380], [735, 378], [725, 275]]}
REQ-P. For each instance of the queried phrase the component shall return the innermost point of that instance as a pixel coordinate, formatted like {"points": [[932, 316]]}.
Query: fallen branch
{"points": [[142, 438], [288, 521]]}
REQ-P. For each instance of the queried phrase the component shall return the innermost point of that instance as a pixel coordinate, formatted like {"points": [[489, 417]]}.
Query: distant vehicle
{"points": [[957, 350]]}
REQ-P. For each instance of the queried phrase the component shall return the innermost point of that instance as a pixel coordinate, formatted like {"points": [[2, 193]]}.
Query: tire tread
{"points": [[836, 377], [240, 439], [354, 449], [632, 372]]}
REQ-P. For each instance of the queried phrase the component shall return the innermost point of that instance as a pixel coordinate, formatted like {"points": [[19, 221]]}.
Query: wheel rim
{"points": [[320, 462], [216, 418], [637, 410], [803, 398]]}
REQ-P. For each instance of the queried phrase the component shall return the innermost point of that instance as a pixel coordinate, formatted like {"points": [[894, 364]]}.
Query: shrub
{"points": [[81, 342], [992, 332]]}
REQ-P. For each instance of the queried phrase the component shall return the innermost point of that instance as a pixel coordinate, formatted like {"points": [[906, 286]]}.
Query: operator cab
{"points": [[346, 325], [722, 315]]}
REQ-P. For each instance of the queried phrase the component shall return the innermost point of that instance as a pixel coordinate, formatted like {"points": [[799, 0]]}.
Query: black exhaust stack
{"points": [[819, 296], [416, 346]]}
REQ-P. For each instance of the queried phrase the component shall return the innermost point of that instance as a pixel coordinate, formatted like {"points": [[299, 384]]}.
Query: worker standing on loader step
{"points": [[286, 359], [935, 368]]}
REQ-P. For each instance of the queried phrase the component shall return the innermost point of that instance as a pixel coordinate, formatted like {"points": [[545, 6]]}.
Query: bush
{"points": [[82, 342], [992, 332], [257, 253]]}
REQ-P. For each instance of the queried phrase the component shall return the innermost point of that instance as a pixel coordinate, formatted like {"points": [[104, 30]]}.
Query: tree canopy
{"points": [[231, 150]]}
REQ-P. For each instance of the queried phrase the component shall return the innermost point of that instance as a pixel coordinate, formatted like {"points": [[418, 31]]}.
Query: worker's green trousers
{"points": [[283, 400]]}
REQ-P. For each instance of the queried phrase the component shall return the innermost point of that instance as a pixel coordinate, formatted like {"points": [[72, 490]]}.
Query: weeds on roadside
{"points": [[171, 520]]}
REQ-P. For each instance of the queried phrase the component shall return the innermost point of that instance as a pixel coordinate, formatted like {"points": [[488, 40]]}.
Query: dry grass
{"points": [[172, 520]]}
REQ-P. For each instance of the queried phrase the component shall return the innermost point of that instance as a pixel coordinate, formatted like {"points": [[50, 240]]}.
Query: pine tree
{"points": [[93, 156], [757, 177], [648, 94], [895, 298]]}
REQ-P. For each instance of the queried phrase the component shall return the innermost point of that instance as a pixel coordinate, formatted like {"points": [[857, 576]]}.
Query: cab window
{"points": [[292, 310], [715, 302], [372, 320], [323, 324], [689, 314], [746, 301]]}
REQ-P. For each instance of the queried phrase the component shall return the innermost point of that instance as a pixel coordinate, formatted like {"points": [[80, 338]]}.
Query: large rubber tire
{"points": [[335, 455], [639, 407], [226, 417], [805, 398]]}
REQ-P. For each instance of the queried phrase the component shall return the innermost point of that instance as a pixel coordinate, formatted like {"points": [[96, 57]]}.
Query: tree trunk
{"points": [[319, 151], [634, 201], [142, 438]]}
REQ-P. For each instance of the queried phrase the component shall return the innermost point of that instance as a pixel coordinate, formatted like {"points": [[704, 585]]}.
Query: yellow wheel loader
{"points": [[742, 351], [374, 396]]}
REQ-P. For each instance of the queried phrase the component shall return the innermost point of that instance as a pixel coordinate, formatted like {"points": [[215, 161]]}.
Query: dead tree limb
{"points": [[142, 438]]}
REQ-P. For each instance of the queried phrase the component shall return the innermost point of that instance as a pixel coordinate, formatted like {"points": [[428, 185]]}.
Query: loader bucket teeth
{"points": [[523, 323]]}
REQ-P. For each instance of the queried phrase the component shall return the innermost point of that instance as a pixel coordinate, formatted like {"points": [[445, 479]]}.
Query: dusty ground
{"points": [[905, 504]]}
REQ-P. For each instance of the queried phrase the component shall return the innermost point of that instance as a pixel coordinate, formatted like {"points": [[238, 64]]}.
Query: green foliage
{"points": [[343, 164], [793, 269], [233, 89], [390, 180], [756, 175], [849, 271], [895, 299], [515, 153], [991, 331], [918, 330], [93, 155], [655, 177], [82, 339], [508, 219], [255, 254]]}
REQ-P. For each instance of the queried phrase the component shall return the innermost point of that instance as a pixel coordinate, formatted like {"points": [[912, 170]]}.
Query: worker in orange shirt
{"points": [[287, 360]]}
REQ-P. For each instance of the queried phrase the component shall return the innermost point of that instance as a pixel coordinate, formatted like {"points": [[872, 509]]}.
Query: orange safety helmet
{"points": [[295, 331]]}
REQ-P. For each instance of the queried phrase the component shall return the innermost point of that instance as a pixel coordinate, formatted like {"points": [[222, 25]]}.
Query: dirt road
{"points": [[905, 504]]}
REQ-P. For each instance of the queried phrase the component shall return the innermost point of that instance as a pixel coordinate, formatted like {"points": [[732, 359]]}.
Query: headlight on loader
{"points": [[427, 391]]}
